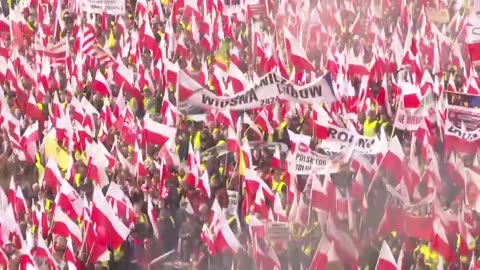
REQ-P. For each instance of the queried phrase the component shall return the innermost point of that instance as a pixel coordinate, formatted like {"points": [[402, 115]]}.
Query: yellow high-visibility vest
{"points": [[369, 128], [40, 168]]}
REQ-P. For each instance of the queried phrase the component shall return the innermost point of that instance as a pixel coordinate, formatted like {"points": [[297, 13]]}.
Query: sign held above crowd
{"points": [[111, 7], [266, 91]]}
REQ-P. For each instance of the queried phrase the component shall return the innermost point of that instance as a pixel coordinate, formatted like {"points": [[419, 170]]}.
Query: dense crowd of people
{"points": [[270, 134]]}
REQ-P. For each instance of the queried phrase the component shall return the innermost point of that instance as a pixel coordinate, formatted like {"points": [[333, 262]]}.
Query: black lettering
{"points": [[243, 99], [361, 143], [294, 93], [303, 93], [343, 136], [279, 89], [315, 91], [476, 31], [253, 96], [264, 81], [234, 101], [300, 167], [332, 133], [207, 100], [310, 160], [275, 78], [321, 162]]}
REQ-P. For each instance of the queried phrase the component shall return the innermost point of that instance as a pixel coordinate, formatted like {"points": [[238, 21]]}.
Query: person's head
{"points": [[384, 117], [372, 115], [60, 243]]}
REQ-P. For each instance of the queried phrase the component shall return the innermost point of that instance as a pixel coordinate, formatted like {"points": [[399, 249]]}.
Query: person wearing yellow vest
{"points": [[426, 256], [371, 123], [149, 102]]}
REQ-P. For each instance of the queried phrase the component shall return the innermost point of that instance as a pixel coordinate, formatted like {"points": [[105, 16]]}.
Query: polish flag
{"points": [[207, 238], [110, 229], [236, 77], [324, 254], [153, 216], [11, 191], [31, 134], [386, 261], [20, 202], [100, 84], [473, 44], [171, 71], [276, 159], [70, 201], [157, 133], [204, 184], [322, 194], [33, 110], [278, 210], [233, 144], [52, 175], [149, 41], [440, 244], [42, 251], [124, 205], [64, 226], [140, 169], [254, 182], [393, 158], [358, 187], [260, 203], [411, 95], [187, 86], [26, 259], [227, 241], [263, 122], [472, 189], [257, 227], [298, 56], [69, 256]]}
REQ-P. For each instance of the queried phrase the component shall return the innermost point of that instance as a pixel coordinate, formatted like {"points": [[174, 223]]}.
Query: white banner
{"points": [[462, 133], [111, 7], [305, 161], [268, 90], [342, 138], [407, 121]]}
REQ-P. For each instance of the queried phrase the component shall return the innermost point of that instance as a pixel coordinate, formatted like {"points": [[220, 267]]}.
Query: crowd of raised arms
{"points": [[251, 134]]}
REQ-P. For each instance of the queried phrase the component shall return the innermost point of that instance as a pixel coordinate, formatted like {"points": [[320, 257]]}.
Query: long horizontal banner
{"points": [[266, 91]]}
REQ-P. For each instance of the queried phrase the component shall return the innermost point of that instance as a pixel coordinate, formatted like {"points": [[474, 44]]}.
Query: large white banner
{"points": [[268, 90], [111, 7]]}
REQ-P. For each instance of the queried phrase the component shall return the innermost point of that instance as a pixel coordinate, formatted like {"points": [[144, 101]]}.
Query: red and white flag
{"points": [[386, 261], [110, 230], [100, 84], [157, 133]]}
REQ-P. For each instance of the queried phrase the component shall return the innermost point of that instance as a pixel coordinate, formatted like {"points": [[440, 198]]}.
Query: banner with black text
{"points": [[266, 91]]}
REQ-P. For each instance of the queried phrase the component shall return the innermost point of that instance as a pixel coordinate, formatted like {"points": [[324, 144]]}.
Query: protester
{"points": [[248, 135]]}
